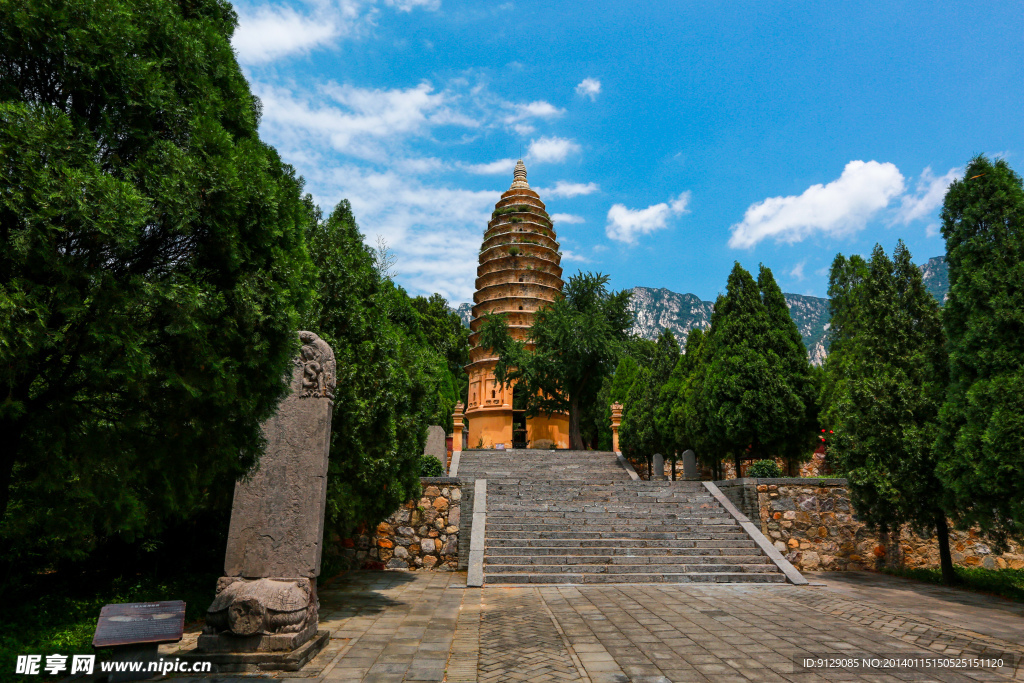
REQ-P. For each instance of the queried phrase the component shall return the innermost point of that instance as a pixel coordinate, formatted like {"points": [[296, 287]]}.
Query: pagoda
{"points": [[519, 273]]}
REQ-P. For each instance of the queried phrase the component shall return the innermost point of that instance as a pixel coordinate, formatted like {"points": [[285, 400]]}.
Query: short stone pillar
{"points": [[616, 421], [457, 427], [658, 469], [266, 610], [690, 472]]}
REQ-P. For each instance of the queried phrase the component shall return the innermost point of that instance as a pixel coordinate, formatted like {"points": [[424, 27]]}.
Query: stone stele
{"points": [[435, 443], [266, 601]]}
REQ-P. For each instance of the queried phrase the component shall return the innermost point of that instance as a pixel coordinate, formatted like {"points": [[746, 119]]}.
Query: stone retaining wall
{"points": [[422, 534], [812, 522]]}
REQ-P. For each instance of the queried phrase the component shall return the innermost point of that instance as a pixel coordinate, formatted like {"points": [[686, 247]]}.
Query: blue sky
{"points": [[667, 139]]}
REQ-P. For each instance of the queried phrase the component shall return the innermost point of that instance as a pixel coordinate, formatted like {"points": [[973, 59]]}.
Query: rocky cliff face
{"points": [[936, 278], [657, 309]]}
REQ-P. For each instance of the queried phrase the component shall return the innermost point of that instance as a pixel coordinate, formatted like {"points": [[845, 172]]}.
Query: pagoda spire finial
{"points": [[519, 176]]}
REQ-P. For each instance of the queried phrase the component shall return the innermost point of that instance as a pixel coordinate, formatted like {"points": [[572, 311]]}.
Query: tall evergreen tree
{"points": [[576, 342], [392, 380], [640, 434], [671, 414], [982, 423], [886, 375], [786, 344], [152, 267], [752, 395]]}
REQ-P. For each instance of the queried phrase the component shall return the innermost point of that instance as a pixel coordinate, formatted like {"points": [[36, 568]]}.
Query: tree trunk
{"points": [[945, 558], [738, 462], [10, 439], [575, 438], [673, 469]]}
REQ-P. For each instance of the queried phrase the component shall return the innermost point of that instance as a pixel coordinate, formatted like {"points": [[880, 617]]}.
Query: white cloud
{"points": [[933, 230], [533, 110], [928, 196], [569, 255], [567, 218], [625, 224], [589, 87], [501, 166], [798, 270], [433, 230], [270, 33], [842, 207], [551, 149], [566, 189], [410, 5], [524, 128], [361, 122]]}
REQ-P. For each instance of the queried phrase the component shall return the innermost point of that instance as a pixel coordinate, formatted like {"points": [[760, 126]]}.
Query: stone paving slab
{"points": [[428, 626]]}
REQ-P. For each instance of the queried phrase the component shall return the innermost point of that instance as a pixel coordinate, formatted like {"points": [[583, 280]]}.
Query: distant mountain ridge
{"points": [[658, 309]]}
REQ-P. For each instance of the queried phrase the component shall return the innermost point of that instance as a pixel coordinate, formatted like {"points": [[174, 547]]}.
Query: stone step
{"points": [[627, 569], [709, 554], [695, 577], [621, 535], [622, 527], [668, 512], [532, 540], [618, 560]]}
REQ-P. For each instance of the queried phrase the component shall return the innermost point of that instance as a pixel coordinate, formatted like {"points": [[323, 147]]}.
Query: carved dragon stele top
{"points": [[319, 370]]}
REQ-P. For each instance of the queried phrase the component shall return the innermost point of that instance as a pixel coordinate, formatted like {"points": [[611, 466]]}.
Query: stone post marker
{"points": [[616, 421], [457, 428], [658, 469], [266, 601], [690, 465], [435, 445]]}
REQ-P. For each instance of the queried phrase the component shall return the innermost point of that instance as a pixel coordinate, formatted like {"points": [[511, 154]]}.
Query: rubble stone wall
{"points": [[422, 534], [812, 522]]}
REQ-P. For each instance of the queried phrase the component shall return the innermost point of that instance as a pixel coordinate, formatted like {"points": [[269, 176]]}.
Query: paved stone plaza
{"points": [[427, 626]]}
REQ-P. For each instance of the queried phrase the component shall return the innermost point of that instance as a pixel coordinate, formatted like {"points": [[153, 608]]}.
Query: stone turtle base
{"points": [[251, 662]]}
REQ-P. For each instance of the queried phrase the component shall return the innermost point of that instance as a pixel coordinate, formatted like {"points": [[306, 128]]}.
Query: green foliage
{"points": [[514, 251], [884, 384], [753, 394], [430, 466], [61, 617], [393, 380], [152, 267], [445, 332], [576, 342], [675, 415], [640, 434], [764, 469], [982, 419], [1009, 583], [625, 375]]}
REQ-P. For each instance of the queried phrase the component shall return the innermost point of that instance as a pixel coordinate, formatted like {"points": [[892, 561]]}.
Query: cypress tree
{"points": [[393, 380], [982, 421], [886, 377], [152, 268], [785, 344], [748, 400]]}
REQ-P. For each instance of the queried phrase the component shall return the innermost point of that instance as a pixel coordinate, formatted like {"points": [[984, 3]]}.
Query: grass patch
{"points": [[62, 619], [1008, 583]]}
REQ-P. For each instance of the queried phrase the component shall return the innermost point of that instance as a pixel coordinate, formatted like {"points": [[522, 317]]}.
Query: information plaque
{"points": [[136, 623]]}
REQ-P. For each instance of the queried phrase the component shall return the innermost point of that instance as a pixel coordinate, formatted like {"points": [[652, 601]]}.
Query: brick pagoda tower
{"points": [[518, 274]]}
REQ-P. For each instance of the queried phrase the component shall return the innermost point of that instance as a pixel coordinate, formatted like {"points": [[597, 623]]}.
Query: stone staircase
{"points": [[578, 517]]}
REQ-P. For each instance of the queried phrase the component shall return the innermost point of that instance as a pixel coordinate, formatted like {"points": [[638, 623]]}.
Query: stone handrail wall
{"points": [[812, 522], [422, 534]]}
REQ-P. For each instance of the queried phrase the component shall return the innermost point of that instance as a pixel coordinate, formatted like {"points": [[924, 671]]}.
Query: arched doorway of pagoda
{"points": [[518, 418]]}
